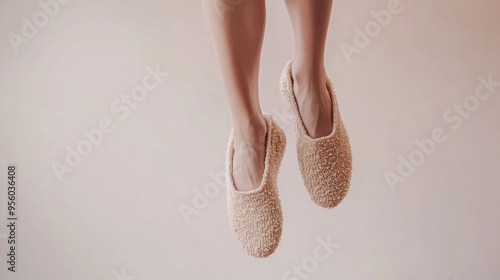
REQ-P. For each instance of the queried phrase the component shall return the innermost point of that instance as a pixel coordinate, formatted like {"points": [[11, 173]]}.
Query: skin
{"points": [[237, 31]]}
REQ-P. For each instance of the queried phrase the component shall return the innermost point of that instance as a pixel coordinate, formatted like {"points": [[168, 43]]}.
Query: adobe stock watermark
{"points": [[121, 107], [363, 36], [454, 117], [31, 26], [224, 6], [284, 117], [203, 196], [122, 275], [310, 264], [211, 190]]}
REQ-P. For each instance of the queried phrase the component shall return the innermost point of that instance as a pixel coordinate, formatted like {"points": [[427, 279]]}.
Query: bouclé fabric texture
{"points": [[326, 162], [256, 216]]}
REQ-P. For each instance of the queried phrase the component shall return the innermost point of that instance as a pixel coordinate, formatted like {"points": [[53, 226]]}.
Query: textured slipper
{"points": [[256, 215], [325, 162]]}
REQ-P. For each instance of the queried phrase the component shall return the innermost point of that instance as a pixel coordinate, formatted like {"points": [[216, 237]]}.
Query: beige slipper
{"points": [[325, 162], [256, 216]]}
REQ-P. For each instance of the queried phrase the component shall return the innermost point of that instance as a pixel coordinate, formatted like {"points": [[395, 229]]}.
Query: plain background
{"points": [[118, 211]]}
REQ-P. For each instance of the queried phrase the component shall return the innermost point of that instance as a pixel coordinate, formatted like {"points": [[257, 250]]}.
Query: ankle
{"points": [[252, 130], [308, 80]]}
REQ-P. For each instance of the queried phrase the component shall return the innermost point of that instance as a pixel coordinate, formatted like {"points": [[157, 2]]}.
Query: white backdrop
{"points": [[134, 87]]}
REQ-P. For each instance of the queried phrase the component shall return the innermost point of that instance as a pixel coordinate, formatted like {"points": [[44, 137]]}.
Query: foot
{"points": [[315, 104], [249, 155]]}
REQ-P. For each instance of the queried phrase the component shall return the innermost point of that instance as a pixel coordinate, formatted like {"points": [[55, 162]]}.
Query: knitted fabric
{"points": [[325, 162], [256, 215]]}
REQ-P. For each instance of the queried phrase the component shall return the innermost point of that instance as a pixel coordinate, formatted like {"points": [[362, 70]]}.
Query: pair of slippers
{"points": [[325, 165]]}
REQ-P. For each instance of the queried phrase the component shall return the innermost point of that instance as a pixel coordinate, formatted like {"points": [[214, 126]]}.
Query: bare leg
{"points": [[310, 20], [237, 33]]}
